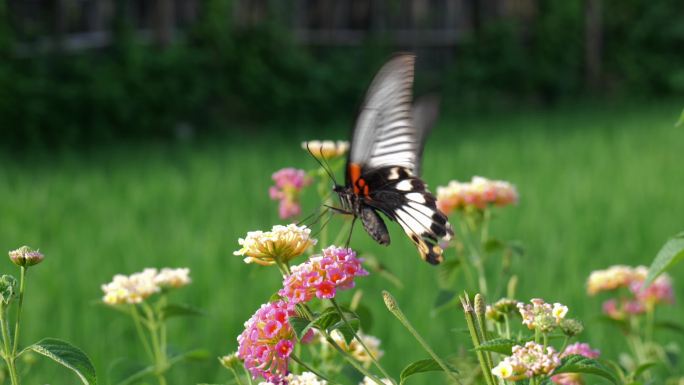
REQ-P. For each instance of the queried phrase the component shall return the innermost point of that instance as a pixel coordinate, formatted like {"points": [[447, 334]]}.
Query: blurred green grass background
{"points": [[599, 185]]}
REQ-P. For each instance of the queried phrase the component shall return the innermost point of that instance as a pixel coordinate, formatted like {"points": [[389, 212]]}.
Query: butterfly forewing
{"points": [[384, 163]]}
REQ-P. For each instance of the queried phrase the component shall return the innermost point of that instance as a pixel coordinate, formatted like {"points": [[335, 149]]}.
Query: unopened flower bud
{"points": [[571, 327], [390, 302], [8, 288], [506, 306], [480, 306], [229, 361], [25, 256]]}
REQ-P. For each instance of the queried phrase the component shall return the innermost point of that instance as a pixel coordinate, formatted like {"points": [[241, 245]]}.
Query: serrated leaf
{"points": [[300, 326], [327, 318], [579, 364], [347, 329], [421, 366], [670, 254], [68, 356], [180, 310], [498, 345], [444, 297]]}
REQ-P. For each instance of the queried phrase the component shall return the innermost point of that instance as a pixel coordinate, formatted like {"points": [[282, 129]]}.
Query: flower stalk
{"points": [[394, 308], [476, 336]]}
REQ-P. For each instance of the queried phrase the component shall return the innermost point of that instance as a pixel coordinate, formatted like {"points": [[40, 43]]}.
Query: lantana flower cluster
{"points": [[321, 276], [355, 349], [541, 315], [289, 183], [135, 288], [326, 149], [632, 279], [282, 242], [529, 360], [478, 193], [267, 341]]}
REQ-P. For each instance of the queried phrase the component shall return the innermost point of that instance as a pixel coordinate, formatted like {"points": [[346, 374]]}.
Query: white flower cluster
{"points": [[326, 149], [137, 287], [527, 361], [542, 315]]}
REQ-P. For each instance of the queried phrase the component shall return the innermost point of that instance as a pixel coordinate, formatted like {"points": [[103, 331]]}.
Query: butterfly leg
{"points": [[351, 230]]}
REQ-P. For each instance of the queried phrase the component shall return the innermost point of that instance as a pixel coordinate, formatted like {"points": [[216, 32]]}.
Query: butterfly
{"points": [[383, 164]]}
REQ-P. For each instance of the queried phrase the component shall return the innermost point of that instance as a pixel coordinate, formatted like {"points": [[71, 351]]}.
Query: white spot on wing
{"points": [[394, 173], [416, 197], [405, 185], [423, 209]]}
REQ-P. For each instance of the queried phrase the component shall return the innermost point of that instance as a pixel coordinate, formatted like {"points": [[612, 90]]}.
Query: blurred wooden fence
{"points": [[87, 24]]}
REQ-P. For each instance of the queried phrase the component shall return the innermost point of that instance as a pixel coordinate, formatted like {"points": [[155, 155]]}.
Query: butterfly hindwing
{"points": [[406, 200]]}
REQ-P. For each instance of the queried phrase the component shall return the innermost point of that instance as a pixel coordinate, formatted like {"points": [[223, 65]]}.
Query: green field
{"points": [[599, 185]]}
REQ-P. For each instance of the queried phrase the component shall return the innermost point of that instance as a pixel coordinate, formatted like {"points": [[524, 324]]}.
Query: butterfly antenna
{"points": [[325, 160], [330, 174]]}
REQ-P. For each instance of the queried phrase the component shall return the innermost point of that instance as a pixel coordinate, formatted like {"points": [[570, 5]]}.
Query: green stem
{"points": [[248, 374], [303, 364], [352, 361], [235, 374], [508, 327], [477, 258], [356, 336], [394, 308], [7, 352], [141, 333], [565, 344], [19, 307], [475, 337]]}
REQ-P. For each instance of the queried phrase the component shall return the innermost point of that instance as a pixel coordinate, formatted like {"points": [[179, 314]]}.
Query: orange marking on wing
{"points": [[354, 175]]}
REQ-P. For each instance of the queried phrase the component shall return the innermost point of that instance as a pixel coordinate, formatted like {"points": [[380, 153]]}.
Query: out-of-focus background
{"points": [[139, 133]]}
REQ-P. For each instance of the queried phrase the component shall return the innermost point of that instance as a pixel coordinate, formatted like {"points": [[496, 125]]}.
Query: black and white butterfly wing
{"points": [[384, 161]]}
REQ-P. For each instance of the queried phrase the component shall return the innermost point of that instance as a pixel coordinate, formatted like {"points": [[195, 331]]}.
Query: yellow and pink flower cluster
{"points": [[478, 193], [541, 315], [639, 299], [267, 341], [289, 183]]}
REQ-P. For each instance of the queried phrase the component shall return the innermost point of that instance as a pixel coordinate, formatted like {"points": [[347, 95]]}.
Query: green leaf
{"points": [[447, 272], [327, 318], [670, 325], [421, 366], [642, 368], [498, 345], [492, 245], [69, 356], [300, 326], [681, 120], [348, 329], [579, 364], [8, 288], [444, 298], [670, 254], [365, 316], [177, 310]]}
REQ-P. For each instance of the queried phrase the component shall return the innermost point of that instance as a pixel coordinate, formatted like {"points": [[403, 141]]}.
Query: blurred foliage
{"points": [[216, 75]]}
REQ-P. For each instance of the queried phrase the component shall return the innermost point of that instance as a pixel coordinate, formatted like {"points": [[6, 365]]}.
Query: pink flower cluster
{"points": [[288, 184], [478, 193], [639, 300], [582, 349], [267, 341], [321, 276]]}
